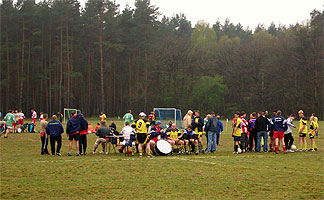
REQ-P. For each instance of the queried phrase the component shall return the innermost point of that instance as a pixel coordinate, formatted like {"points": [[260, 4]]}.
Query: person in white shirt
{"points": [[129, 137], [21, 117], [289, 139]]}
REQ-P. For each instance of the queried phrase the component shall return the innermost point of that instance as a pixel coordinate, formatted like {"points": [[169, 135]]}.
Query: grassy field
{"points": [[25, 174]]}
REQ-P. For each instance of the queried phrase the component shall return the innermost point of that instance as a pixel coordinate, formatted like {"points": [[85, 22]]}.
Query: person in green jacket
{"points": [[9, 118], [128, 117]]}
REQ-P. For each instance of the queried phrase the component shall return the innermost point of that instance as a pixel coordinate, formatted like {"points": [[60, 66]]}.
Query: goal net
{"points": [[68, 112], [168, 114]]}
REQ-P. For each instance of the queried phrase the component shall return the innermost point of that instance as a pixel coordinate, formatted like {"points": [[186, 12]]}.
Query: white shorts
{"points": [[9, 127]]}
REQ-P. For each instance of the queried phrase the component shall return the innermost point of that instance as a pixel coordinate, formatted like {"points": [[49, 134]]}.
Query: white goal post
{"points": [[68, 111], [168, 114]]}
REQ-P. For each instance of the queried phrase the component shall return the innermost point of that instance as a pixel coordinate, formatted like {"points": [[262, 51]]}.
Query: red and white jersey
{"points": [[244, 126], [34, 115], [41, 117], [21, 115]]}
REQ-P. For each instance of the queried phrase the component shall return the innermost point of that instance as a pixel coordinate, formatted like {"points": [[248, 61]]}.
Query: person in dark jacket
{"points": [[212, 126], [102, 132], [73, 129], [261, 125], [155, 132], [83, 135], [54, 128], [197, 125], [278, 131]]}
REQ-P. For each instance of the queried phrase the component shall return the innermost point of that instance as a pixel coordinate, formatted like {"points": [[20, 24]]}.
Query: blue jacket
{"points": [[54, 128], [220, 127], [83, 122], [73, 125], [277, 123], [199, 125], [154, 133]]}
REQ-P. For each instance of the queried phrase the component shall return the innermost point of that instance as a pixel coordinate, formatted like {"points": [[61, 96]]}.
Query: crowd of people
{"points": [[258, 133]]}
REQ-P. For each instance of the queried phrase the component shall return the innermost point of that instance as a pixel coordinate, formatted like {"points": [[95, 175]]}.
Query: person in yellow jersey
{"points": [[316, 121], [141, 126], [103, 116], [312, 132], [302, 131], [237, 132], [173, 138], [197, 125]]}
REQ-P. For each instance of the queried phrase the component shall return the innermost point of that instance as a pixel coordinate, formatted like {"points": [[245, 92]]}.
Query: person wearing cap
{"points": [[302, 131], [141, 126], [155, 132]]}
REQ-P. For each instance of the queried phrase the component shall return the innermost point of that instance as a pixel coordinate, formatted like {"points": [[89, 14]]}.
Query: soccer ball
{"points": [[293, 147], [239, 150]]}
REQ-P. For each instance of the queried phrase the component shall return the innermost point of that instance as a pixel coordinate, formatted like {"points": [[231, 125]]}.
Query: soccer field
{"points": [[25, 174]]}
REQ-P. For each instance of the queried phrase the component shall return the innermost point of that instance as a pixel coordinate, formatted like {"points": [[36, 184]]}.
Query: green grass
{"points": [[25, 174]]}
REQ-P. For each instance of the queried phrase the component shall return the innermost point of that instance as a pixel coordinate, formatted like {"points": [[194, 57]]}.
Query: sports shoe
{"points": [[102, 152], [70, 154], [120, 151], [277, 152], [94, 152], [235, 152], [58, 154], [299, 150], [150, 156], [197, 154], [285, 152], [77, 154], [6, 136], [140, 156], [313, 150], [305, 150], [310, 150]]}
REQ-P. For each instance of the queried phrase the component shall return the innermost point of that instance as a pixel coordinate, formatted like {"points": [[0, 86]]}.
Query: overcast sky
{"points": [[248, 12]]}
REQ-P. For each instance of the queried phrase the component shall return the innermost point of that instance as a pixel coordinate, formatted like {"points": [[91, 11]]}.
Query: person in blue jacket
{"points": [[54, 128], [220, 129], [83, 135], [73, 129]]}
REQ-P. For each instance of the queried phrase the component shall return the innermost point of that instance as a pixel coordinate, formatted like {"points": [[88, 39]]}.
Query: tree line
{"points": [[55, 55]]}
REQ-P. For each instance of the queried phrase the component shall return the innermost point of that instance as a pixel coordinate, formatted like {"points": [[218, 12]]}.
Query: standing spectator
{"points": [[187, 119], [73, 129], [237, 131], [141, 126], [302, 131], [261, 125], [204, 127], [41, 116], [21, 117], [128, 117], [33, 116], [212, 126], [102, 132], [60, 116], [252, 132], [9, 118], [220, 129], [278, 131], [197, 125], [54, 128], [83, 135], [244, 136], [103, 116], [43, 135], [289, 139]]}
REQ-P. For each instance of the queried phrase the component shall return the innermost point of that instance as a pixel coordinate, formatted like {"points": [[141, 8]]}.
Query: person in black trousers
{"points": [[54, 128], [253, 133], [83, 135], [43, 135]]}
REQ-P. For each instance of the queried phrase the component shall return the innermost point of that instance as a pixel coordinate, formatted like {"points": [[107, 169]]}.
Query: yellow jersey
{"points": [[103, 117], [141, 125], [302, 122], [173, 134], [313, 126], [237, 125]]}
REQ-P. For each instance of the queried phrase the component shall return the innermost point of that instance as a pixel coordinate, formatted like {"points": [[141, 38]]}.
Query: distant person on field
{"points": [[204, 127], [113, 125], [312, 133], [60, 116], [237, 131], [9, 118], [41, 116], [102, 132], [34, 117], [103, 116], [73, 129], [151, 118], [220, 129], [54, 129], [83, 135], [21, 117], [302, 131], [212, 126], [96, 128], [261, 128], [128, 117], [278, 131], [289, 139], [14, 124], [43, 135], [197, 125], [129, 137], [187, 119]]}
